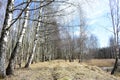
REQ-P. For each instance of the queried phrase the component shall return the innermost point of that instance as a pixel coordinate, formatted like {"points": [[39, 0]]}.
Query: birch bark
{"points": [[4, 37], [18, 46], [35, 41]]}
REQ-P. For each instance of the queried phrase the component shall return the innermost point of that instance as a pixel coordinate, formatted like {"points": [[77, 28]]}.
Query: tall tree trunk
{"points": [[117, 55], [114, 9], [4, 37], [115, 66], [16, 50], [35, 41], [31, 56]]}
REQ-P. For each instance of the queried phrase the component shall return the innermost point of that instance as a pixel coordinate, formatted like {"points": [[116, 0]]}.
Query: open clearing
{"points": [[61, 70], [100, 62]]}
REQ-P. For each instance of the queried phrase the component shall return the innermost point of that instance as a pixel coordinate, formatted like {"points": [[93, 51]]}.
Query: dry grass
{"points": [[61, 70], [100, 62]]}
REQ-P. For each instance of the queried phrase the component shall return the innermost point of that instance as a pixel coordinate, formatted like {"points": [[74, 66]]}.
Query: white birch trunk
{"points": [[35, 42], [115, 24], [16, 50], [4, 37]]}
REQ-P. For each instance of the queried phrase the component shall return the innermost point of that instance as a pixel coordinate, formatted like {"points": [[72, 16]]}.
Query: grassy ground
{"points": [[61, 70], [100, 62]]}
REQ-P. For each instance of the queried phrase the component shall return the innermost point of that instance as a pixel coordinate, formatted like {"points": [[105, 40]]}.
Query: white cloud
{"points": [[93, 9], [70, 9], [97, 9], [91, 22], [77, 33]]}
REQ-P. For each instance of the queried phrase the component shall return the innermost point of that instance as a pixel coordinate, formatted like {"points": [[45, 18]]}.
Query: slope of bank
{"points": [[61, 70]]}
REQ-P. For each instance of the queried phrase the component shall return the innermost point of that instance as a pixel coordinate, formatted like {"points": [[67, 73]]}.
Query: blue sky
{"points": [[97, 15], [99, 21], [2, 11]]}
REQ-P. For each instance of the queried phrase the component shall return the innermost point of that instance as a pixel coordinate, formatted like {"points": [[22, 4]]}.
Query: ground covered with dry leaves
{"points": [[61, 70]]}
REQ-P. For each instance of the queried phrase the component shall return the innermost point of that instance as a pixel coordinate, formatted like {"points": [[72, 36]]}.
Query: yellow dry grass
{"points": [[61, 70], [100, 62]]}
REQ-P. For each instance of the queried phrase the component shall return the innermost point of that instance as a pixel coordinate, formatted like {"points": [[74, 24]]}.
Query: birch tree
{"points": [[4, 37], [18, 46], [83, 35], [35, 40], [114, 10]]}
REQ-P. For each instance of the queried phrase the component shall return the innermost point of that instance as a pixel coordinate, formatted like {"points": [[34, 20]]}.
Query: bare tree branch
{"points": [[38, 7], [19, 14]]}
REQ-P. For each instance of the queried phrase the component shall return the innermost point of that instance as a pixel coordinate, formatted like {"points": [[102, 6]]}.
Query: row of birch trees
{"points": [[32, 32]]}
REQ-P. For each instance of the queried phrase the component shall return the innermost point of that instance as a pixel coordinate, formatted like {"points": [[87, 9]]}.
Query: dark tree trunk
{"points": [[29, 61], [10, 67], [115, 66]]}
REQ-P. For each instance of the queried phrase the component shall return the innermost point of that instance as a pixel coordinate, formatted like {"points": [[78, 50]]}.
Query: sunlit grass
{"points": [[61, 70], [100, 62]]}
